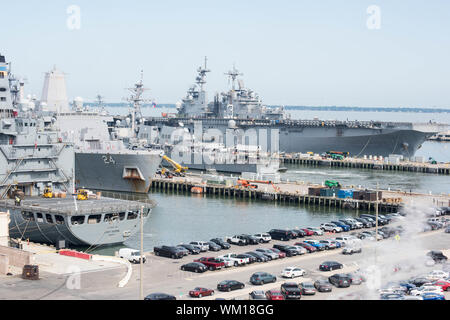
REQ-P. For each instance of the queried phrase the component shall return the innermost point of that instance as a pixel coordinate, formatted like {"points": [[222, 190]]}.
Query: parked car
{"points": [[330, 265], [192, 249], [211, 263], [169, 251], [330, 227], [233, 257], [308, 232], [229, 285], [250, 239], [227, 262], [292, 272], [317, 231], [357, 224], [274, 295], [425, 289], [291, 290], [259, 278], [268, 253], [328, 244], [257, 295], [263, 237], [355, 278], [437, 274], [280, 253], [437, 256], [197, 267], [301, 233], [315, 243], [340, 280], [132, 255], [323, 285], [184, 251], [288, 251], [221, 243], [280, 234], [200, 292], [307, 288], [237, 240], [214, 246], [444, 284], [259, 256], [432, 296], [366, 223], [203, 245], [352, 250], [159, 296], [392, 296], [310, 248], [299, 249], [349, 223], [249, 259], [344, 226]]}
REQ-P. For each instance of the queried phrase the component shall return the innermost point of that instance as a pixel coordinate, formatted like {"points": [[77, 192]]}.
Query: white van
{"points": [[132, 255]]}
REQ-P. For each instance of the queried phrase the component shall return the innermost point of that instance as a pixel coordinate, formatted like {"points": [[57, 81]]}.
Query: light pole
{"points": [[141, 283]]}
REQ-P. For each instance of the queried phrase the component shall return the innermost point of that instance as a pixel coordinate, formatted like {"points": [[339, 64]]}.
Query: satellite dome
{"points": [[231, 124]]}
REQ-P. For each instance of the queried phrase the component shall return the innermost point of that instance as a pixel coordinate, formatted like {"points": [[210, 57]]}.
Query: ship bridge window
{"points": [[59, 219], [111, 217], [132, 215], [48, 217], [39, 217], [77, 220], [95, 218], [122, 216], [28, 216]]}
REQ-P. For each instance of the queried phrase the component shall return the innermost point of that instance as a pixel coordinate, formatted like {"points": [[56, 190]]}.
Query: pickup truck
{"points": [[169, 252], [238, 240], [211, 263], [233, 258]]}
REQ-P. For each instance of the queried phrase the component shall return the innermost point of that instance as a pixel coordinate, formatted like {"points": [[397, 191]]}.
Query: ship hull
{"points": [[124, 172]]}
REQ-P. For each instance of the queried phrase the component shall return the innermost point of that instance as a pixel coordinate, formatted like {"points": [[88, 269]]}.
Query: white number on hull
{"points": [[108, 159]]}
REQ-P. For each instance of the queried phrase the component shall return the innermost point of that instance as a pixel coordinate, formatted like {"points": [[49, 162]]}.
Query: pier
{"points": [[405, 166]]}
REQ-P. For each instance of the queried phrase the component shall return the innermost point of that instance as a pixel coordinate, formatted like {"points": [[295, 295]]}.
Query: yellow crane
{"points": [[178, 169], [48, 192]]}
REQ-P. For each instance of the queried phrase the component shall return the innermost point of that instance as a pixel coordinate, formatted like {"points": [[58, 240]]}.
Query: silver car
{"points": [[268, 253]]}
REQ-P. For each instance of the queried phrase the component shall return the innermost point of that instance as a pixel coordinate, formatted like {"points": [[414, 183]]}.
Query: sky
{"points": [[293, 52]]}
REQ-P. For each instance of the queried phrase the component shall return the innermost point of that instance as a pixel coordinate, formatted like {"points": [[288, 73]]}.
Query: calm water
{"points": [[185, 217]]}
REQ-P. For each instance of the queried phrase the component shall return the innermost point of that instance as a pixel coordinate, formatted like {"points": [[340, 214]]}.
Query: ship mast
{"points": [[232, 75], [201, 78], [136, 101]]}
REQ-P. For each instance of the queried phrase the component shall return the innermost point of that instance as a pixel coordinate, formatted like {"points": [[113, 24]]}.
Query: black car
{"points": [[437, 256], [160, 296], [419, 281], [221, 243], [296, 233], [301, 233], [229, 285], [259, 278], [366, 223], [168, 251], [192, 249], [392, 296], [250, 239], [246, 256], [340, 280], [259, 256], [291, 290], [194, 267], [280, 234], [330, 265], [351, 224], [213, 246], [323, 285], [285, 249]]}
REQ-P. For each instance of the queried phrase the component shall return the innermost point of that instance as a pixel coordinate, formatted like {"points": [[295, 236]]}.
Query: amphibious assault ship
{"points": [[33, 160], [239, 115]]}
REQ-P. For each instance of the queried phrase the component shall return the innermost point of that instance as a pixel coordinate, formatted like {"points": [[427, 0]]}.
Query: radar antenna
{"points": [[232, 75], [201, 77]]}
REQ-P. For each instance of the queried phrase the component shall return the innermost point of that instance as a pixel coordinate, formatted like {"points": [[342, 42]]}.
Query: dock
{"points": [[359, 163]]}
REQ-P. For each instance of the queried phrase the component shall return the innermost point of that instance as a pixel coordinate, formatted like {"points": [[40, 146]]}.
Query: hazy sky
{"points": [[291, 52]]}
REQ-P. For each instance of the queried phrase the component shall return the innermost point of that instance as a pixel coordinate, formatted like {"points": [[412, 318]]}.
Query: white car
{"points": [[425, 289], [204, 246], [329, 227], [317, 231], [236, 261], [263, 237], [228, 263], [237, 239], [292, 272], [437, 275]]}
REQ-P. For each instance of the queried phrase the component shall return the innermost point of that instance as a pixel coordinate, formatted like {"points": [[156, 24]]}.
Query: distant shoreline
{"points": [[322, 108]]}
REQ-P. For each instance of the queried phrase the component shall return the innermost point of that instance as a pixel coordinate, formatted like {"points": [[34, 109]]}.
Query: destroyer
{"points": [[241, 110]]}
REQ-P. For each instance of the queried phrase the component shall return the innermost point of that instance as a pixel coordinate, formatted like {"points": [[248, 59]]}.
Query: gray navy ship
{"points": [[33, 158], [240, 111]]}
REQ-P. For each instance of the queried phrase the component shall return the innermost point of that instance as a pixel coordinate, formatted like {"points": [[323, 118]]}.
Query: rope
{"points": [[370, 138]]}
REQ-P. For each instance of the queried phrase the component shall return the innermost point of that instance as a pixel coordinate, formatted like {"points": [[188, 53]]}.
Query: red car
{"points": [[280, 253], [307, 246], [274, 295], [211, 263], [444, 284], [308, 232], [201, 292]]}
